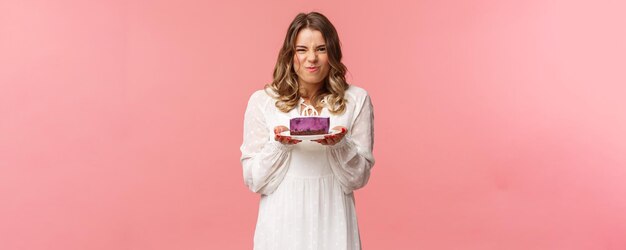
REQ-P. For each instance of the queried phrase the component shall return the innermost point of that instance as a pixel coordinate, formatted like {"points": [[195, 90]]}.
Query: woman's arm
{"points": [[351, 158], [264, 161]]}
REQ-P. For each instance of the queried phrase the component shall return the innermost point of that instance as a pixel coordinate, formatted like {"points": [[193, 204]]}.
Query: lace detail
{"points": [[309, 110]]}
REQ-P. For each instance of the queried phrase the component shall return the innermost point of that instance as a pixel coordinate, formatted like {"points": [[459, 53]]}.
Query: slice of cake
{"points": [[309, 125]]}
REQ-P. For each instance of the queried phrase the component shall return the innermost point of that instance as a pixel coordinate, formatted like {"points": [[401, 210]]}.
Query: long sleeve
{"points": [[264, 160], [351, 159]]}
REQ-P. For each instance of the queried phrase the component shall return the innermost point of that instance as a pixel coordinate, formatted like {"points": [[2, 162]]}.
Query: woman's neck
{"points": [[308, 91]]}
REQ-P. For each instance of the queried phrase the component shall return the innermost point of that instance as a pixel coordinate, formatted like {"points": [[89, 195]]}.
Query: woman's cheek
{"points": [[296, 61]]}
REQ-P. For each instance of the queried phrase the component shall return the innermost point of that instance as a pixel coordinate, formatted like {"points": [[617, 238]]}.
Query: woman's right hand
{"points": [[284, 139]]}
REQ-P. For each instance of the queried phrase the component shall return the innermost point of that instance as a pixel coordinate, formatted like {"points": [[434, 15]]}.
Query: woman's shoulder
{"points": [[356, 92], [265, 94]]}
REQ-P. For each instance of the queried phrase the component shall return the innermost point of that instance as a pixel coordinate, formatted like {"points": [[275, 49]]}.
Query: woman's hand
{"points": [[284, 139], [333, 139]]}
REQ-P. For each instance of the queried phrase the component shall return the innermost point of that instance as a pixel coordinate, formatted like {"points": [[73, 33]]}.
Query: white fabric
{"points": [[308, 110], [307, 199]]}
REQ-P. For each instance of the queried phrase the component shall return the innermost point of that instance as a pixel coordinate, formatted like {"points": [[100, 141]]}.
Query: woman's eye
{"points": [[322, 49]]}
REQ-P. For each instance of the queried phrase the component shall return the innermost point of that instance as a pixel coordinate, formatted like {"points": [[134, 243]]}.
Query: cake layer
{"points": [[309, 125]]}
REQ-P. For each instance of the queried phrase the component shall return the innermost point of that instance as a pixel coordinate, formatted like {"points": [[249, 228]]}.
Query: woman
{"points": [[306, 187]]}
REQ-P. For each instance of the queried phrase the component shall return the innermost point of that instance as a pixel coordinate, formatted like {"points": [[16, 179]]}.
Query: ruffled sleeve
{"points": [[351, 159], [264, 160]]}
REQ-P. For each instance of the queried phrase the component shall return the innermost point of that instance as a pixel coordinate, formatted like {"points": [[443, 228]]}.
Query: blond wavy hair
{"points": [[285, 88]]}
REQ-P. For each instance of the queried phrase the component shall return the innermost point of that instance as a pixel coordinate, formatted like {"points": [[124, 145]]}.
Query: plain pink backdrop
{"points": [[499, 124]]}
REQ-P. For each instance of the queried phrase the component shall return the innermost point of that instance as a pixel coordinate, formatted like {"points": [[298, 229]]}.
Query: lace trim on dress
{"points": [[309, 110]]}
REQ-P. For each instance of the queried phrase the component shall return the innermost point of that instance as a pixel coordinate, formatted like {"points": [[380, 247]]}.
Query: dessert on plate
{"points": [[309, 125]]}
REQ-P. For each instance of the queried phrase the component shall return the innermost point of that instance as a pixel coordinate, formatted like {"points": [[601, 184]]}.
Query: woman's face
{"points": [[311, 60]]}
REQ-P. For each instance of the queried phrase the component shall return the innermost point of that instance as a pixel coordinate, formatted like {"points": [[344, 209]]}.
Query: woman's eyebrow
{"points": [[302, 46]]}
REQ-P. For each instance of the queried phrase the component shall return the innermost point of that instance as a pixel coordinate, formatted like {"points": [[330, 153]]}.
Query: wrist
{"points": [[345, 141]]}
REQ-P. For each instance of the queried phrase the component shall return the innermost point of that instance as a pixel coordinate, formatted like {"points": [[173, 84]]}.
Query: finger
{"points": [[340, 130], [289, 140], [280, 139], [329, 141], [279, 129], [332, 138]]}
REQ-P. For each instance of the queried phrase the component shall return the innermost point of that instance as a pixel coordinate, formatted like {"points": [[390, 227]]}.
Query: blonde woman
{"points": [[306, 186]]}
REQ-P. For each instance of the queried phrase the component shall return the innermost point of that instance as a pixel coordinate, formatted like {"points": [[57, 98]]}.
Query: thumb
{"points": [[279, 129]]}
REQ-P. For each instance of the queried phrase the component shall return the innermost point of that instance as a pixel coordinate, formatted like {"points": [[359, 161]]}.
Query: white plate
{"points": [[308, 137]]}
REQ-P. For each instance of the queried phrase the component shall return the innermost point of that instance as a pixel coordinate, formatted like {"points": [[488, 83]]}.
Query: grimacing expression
{"points": [[310, 58]]}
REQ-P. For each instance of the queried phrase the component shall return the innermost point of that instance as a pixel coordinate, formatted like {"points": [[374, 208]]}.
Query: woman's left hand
{"points": [[333, 139]]}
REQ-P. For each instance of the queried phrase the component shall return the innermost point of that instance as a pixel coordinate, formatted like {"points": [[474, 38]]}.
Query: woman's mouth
{"points": [[311, 69]]}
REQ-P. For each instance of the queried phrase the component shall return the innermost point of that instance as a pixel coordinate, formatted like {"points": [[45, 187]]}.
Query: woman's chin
{"points": [[310, 80]]}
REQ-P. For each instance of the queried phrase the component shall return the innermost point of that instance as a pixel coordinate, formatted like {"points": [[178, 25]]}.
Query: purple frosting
{"points": [[309, 125]]}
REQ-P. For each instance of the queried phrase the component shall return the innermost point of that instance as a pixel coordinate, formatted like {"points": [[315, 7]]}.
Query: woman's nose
{"points": [[311, 56]]}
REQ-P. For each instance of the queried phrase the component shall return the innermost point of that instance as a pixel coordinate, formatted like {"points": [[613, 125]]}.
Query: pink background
{"points": [[499, 124]]}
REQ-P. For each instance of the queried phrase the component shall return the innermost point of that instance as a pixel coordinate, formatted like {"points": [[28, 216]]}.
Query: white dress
{"points": [[306, 189]]}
